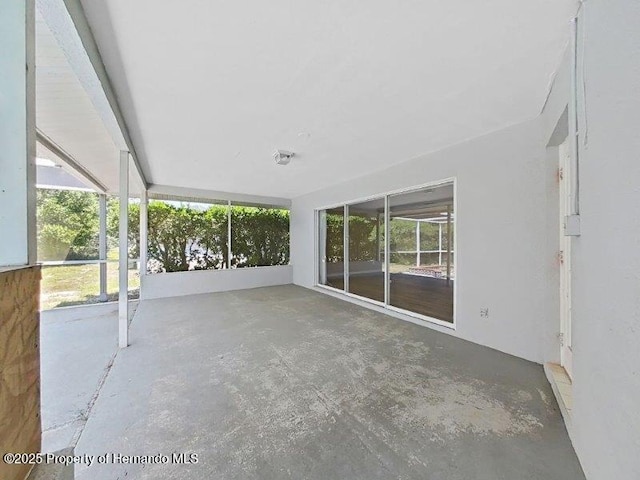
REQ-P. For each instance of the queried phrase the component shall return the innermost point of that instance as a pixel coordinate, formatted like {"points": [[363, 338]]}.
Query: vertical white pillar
{"points": [[102, 199], [448, 245], [439, 244], [144, 228], [378, 237], [17, 133], [574, 134], [346, 248], [229, 250], [417, 243], [123, 260], [322, 246], [387, 253]]}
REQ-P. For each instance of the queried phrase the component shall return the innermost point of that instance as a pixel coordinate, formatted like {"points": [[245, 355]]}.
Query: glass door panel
{"points": [[421, 269], [331, 244], [366, 249]]}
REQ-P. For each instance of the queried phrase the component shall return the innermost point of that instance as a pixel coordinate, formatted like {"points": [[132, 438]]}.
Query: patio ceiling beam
{"points": [[165, 192], [67, 22], [70, 161]]}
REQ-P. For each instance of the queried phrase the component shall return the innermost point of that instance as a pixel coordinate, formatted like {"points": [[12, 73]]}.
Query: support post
{"points": [[144, 228], [17, 133], [387, 253], [229, 250], [123, 257], [439, 244], [448, 245], [102, 200], [417, 243], [378, 236], [345, 241], [322, 246]]}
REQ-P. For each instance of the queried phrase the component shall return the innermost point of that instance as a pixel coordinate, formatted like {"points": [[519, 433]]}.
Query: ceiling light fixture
{"points": [[282, 157]]}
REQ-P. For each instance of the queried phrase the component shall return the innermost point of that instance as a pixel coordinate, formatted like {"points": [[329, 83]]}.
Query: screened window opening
{"points": [[185, 236]]}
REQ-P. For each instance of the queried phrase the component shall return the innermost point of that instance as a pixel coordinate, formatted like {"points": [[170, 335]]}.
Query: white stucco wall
{"points": [[606, 260], [502, 254], [175, 284], [17, 133], [507, 210]]}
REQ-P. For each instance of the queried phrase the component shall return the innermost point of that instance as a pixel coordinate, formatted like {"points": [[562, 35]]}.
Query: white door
{"points": [[564, 176]]}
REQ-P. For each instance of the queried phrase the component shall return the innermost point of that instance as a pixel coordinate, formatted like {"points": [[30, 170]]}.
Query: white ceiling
{"points": [[210, 89], [65, 114]]}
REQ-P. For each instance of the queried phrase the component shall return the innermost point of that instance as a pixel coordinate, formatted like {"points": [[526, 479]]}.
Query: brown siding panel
{"points": [[20, 429]]}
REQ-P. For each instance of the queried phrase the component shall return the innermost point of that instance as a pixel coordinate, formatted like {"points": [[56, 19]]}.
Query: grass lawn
{"points": [[66, 285]]}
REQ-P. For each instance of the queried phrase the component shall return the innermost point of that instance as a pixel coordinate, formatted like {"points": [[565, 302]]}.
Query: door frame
{"points": [[564, 256]]}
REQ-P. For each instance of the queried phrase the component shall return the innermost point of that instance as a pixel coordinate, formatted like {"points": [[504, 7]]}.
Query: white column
{"points": [[322, 246], [17, 133], [123, 260], [346, 248], [229, 250], [387, 253], [144, 226], [378, 237], [103, 246], [448, 245], [439, 244], [417, 243]]}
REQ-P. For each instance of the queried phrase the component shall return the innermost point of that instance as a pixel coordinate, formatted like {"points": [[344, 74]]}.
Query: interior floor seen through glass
{"points": [[421, 269]]}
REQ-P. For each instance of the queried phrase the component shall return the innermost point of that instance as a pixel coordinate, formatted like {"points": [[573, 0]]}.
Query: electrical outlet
{"points": [[484, 312]]}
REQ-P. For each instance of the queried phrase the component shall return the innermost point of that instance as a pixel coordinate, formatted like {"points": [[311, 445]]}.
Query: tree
{"points": [[185, 238], [67, 223], [260, 236], [362, 238], [335, 237], [188, 237]]}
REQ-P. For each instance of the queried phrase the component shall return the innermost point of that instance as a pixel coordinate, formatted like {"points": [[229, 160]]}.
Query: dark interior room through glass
{"points": [[366, 249]]}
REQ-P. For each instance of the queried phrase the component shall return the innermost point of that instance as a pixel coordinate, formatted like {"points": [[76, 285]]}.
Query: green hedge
{"points": [[187, 238], [181, 236]]}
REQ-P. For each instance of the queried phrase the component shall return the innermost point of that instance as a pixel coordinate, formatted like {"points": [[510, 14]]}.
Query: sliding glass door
{"points": [[331, 247], [420, 252], [413, 269], [366, 249]]}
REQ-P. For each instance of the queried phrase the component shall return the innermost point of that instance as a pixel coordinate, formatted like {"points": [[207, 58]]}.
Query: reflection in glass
{"points": [[331, 243], [421, 270], [366, 249]]}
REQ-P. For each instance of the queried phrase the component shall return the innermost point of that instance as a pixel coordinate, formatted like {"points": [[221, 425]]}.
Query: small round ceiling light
{"points": [[282, 157]]}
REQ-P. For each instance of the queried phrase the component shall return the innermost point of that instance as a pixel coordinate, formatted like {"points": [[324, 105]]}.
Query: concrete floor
{"points": [[284, 382], [77, 345]]}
